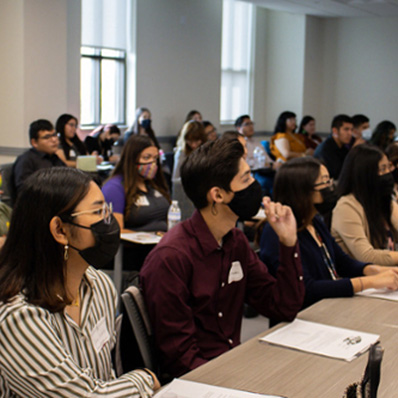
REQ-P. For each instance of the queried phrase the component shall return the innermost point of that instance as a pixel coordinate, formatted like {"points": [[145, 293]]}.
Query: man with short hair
{"points": [[334, 149], [361, 131], [196, 280], [44, 141]]}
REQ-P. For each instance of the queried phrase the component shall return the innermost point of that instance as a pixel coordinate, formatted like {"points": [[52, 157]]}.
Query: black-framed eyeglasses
{"points": [[49, 136]]}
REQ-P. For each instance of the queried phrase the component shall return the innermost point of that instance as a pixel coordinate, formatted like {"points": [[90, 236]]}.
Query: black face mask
{"points": [[107, 238], [386, 184], [146, 124], [246, 203], [395, 175], [329, 197]]}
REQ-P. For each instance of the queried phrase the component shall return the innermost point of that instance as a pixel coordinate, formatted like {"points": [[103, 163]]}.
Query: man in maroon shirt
{"points": [[198, 277]]}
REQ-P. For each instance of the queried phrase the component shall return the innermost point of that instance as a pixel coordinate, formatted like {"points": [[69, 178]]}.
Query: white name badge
{"points": [[235, 273], [100, 335], [157, 194], [142, 201]]}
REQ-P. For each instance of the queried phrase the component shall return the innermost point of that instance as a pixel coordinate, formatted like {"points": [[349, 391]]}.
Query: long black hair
{"points": [[381, 134], [31, 260], [135, 128], [294, 186], [360, 177], [280, 126], [60, 128]]}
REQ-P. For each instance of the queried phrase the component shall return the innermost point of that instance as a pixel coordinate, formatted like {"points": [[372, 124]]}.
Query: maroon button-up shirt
{"points": [[195, 289]]}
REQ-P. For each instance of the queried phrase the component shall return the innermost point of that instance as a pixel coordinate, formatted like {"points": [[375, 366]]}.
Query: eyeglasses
{"points": [[386, 168], [328, 182], [48, 136], [105, 211], [247, 124]]}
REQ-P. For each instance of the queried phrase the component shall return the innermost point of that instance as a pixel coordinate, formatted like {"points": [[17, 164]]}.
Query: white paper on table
{"points": [[191, 389], [320, 339], [385, 294], [145, 238]]}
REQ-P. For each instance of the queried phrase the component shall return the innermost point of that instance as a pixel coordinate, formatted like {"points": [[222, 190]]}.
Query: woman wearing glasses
{"points": [[365, 219], [57, 312], [304, 185], [70, 144]]}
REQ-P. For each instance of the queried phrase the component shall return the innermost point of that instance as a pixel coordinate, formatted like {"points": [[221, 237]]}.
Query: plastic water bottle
{"points": [[259, 158], [173, 215]]}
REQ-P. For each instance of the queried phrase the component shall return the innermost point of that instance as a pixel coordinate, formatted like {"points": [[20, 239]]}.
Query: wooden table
{"points": [[263, 368]]}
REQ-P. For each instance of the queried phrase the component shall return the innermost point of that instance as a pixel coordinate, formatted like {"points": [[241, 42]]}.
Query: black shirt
{"points": [[104, 148], [332, 155], [30, 161]]}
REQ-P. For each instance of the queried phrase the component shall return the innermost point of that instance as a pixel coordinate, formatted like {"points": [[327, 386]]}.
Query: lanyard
{"points": [[327, 259]]}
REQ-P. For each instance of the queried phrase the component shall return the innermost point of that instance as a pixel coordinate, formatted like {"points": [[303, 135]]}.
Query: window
{"points": [[102, 90], [236, 61]]}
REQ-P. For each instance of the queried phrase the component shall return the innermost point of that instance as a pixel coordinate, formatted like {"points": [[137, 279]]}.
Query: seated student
{"points": [[192, 136], [285, 144], [100, 142], [70, 144], [210, 130], [57, 311], [307, 133], [137, 189], [197, 278], [365, 219], [142, 126], [191, 115], [334, 149], [304, 185], [44, 141], [361, 131], [383, 134]]}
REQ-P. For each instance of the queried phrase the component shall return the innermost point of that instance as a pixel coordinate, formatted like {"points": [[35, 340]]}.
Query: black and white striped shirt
{"points": [[43, 354]]}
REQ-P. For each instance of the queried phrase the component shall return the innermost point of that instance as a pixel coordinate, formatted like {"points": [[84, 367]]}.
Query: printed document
{"points": [[191, 389], [322, 339], [385, 294], [145, 238]]}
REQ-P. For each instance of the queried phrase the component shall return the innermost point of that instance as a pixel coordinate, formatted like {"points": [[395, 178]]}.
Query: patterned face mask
{"points": [[147, 170]]}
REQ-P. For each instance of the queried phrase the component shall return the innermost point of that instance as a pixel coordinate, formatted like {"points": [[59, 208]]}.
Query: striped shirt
{"points": [[44, 354]]}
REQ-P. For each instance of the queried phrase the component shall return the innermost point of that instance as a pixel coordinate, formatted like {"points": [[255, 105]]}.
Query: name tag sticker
{"points": [[100, 335], [142, 201], [235, 273]]}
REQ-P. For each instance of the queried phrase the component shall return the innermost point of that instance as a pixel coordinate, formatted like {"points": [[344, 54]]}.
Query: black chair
{"points": [[8, 187], [135, 343]]}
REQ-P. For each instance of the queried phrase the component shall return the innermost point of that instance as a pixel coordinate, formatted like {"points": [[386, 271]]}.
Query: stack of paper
{"points": [[190, 389], [321, 339], [385, 294], [144, 238]]}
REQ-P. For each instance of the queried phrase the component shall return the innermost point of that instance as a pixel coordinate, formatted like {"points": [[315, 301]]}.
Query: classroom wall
{"points": [[304, 64]]}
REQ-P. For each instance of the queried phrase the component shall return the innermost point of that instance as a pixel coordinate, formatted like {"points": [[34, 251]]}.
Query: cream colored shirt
{"points": [[351, 230]]}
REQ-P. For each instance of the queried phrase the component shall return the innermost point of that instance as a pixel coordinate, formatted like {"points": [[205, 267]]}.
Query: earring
{"points": [[66, 252], [213, 209]]}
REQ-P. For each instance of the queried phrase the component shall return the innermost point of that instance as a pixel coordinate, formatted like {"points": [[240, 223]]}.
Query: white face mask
{"points": [[367, 134]]}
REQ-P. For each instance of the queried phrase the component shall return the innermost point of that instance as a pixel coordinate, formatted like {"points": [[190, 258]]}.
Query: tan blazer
{"points": [[351, 230]]}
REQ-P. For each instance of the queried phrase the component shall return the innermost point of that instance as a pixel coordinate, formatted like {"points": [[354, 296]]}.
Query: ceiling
{"points": [[333, 8]]}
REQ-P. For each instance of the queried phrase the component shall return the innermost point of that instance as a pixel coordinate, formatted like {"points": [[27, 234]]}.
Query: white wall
{"points": [[178, 60], [40, 69]]}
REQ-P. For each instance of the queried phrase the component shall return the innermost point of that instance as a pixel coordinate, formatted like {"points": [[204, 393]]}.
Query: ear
{"points": [[335, 131], [58, 230], [33, 142], [216, 195]]}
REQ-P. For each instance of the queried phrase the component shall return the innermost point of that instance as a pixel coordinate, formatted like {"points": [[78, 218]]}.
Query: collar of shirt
{"points": [[42, 154], [204, 236]]}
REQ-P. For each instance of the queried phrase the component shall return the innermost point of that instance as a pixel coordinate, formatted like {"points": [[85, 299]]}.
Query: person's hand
{"points": [[100, 159], [373, 269], [281, 219], [387, 279]]}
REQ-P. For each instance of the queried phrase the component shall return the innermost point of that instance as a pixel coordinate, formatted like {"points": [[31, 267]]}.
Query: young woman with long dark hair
{"points": [[304, 185], [57, 311], [70, 144], [365, 219]]}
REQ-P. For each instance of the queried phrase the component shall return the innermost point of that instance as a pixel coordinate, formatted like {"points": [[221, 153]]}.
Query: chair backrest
{"points": [[136, 338], [8, 187]]}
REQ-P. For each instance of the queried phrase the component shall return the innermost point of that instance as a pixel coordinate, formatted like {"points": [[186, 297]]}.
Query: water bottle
{"points": [[173, 215], [259, 158]]}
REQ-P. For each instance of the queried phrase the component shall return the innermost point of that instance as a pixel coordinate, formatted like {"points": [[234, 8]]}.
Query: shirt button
{"points": [[295, 255], [230, 341], [220, 314], [223, 284], [301, 278]]}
